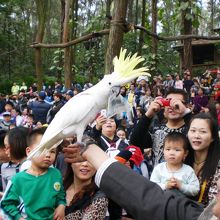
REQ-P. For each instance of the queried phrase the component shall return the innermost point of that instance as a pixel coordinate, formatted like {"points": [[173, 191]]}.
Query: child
{"points": [[121, 133], [33, 139], [173, 174], [39, 188]]}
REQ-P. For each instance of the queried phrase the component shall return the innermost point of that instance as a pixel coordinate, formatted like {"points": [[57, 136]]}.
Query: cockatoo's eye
{"points": [[109, 83]]}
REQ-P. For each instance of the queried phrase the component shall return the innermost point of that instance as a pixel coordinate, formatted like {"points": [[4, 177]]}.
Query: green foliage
{"points": [[5, 86], [18, 30]]}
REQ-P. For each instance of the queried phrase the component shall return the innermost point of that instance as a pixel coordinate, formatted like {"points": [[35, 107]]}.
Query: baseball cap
{"points": [[6, 114], [42, 94], [70, 93]]}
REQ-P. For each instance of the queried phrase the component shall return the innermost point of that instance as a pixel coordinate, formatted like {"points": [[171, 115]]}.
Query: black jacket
{"points": [[144, 199]]}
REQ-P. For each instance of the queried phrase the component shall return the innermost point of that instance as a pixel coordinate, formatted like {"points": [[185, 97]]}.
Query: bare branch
{"points": [[176, 38], [130, 27], [73, 42]]}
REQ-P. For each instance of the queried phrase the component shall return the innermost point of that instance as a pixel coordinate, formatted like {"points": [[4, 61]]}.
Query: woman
{"points": [[204, 156], [84, 200]]}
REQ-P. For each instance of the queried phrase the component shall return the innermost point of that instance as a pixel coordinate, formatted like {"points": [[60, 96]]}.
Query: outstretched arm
{"points": [[136, 194]]}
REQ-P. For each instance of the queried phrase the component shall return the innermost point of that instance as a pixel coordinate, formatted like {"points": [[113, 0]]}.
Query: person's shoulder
{"points": [[55, 171], [99, 194], [160, 166], [4, 165], [187, 168], [19, 176]]}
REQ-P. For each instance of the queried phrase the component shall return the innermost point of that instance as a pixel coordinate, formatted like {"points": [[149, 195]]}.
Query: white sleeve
{"points": [[192, 187], [156, 177], [101, 170]]}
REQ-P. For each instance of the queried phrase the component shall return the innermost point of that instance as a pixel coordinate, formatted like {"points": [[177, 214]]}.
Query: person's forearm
{"points": [[139, 133], [95, 155]]}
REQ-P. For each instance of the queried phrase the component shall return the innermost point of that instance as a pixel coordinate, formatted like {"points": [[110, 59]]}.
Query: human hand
{"points": [[59, 213], [72, 153], [177, 183], [171, 184], [203, 109], [100, 120], [154, 107], [178, 106]]}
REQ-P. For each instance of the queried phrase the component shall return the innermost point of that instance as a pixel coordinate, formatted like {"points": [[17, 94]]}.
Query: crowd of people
{"points": [[158, 159]]}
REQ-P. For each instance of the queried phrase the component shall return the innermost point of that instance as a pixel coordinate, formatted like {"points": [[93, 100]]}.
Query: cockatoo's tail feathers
{"points": [[43, 148], [124, 67]]}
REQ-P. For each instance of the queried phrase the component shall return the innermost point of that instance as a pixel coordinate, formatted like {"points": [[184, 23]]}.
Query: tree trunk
{"points": [[74, 34], [141, 35], [116, 33], [154, 26], [131, 11], [60, 64], [187, 43], [108, 19], [67, 50], [42, 7]]}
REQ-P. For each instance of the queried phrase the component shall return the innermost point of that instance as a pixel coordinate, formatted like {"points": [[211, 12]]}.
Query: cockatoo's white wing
{"points": [[65, 123]]}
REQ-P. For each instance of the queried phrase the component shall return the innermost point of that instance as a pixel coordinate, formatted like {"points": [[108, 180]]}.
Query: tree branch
{"points": [[130, 27], [175, 38], [73, 42]]}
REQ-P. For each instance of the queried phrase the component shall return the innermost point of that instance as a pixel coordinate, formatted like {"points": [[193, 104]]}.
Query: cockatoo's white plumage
{"points": [[82, 109]]}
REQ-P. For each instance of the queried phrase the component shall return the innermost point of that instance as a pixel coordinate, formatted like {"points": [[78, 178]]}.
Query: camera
{"points": [[165, 102]]}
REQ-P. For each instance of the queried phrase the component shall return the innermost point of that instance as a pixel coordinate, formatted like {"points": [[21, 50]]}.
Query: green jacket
{"points": [[34, 197]]}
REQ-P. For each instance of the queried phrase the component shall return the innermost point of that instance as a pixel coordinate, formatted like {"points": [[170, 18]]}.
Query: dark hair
{"points": [[178, 91], [31, 116], [120, 129], [9, 103], [17, 142], [213, 157], [31, 138], [81, 199], [177, 136], [2, 137]]}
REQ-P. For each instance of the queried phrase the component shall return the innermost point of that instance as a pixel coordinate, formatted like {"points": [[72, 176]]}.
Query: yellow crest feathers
{"points": [[125, 66]]}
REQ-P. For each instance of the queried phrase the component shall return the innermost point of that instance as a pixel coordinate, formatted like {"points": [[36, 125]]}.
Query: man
{"points": [[169, 82], [15, 89], [175, 122], [69, 95], [40, 108], [57, 105]]}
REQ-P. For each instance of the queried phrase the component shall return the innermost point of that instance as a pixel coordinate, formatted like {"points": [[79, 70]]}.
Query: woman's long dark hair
{"points": [[213, 157]]}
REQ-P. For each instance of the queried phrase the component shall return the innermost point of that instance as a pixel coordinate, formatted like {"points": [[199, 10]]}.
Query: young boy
{"points": [[33, 139], [40, 190], [174, 174]]}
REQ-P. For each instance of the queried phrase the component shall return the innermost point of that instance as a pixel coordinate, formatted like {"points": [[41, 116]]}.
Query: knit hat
{"points": [[123, 156], [137, 156]]}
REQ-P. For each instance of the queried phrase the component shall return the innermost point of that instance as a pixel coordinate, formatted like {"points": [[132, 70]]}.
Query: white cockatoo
{"points": [[82, 109]]}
